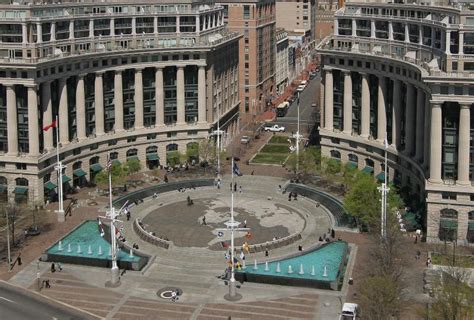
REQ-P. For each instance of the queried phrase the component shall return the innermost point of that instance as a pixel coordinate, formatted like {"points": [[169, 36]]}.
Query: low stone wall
{"points": [[341, 216], [275, 244], [146, 236]]}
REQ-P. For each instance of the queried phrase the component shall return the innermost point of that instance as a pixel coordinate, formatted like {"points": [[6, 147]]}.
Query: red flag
{"points": [[49, 126]]}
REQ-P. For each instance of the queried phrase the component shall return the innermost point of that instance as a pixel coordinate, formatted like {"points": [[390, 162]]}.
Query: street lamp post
{"points": [[297, 136], [384, 191], [59, 167], [233, 226]]}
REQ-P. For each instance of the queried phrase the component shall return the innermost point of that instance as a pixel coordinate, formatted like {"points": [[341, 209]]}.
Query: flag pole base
{"points": [[114, 282], [235, 297], [61, 216]]}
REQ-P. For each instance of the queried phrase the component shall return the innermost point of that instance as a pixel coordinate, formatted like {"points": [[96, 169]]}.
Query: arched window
{"points": [[369, 162], [172, 147], [132, 153], [113, 155], [76, 165], [94, 160], [335, 154], [353, 158], [3, 181], [21, 182], [152, 149], [448, 224], [449, 214]]}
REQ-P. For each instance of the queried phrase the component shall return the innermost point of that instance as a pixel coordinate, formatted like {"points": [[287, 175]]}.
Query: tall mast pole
{"points": [[232, 275], [59, 168], [115, 279]]}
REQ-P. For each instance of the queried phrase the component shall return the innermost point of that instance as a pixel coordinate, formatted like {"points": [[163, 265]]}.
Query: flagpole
{"points": [[115, 278], [384, 191], [59, 167], [232, 276]]}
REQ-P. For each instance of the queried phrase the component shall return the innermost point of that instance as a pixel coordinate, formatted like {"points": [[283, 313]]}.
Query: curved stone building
{"points": [[135, 79], [405, 71]]}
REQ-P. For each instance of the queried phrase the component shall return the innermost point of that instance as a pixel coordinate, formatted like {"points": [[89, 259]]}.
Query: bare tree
{"points": [[13, 212]]}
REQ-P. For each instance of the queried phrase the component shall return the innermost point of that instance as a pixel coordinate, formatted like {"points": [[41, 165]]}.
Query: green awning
{"points": [[448, 224], [96, 167], [132, 158], [20, 190], [352, 165], [3, 188], [50, 186], [66, 179], [368, 170], [79, 173], [152, 157], [471, 226], [381, 176]]}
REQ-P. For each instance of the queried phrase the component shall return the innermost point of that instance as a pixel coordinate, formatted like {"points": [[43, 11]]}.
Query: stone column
{"points": [[328, 101], [12, 121], [81, 108], [180, 104], [134, 26], [436, 139], [420, 34], [52, 31], [112, 27], [202, 94], [448, 41], [390, 30], [197, 24], [354, 27], [365, 108], [396, 114], [372, 29], [63, 112], [33, 128], [336, 27], [381, 111], [464, 150], [47, 115], [118, 99], [91, 28], [99, 103], [461, 42], [410, 120], [39, 33], [159, 97], [420, 118], [321, 101], [24, 33], [178, 24], [426, 135], [407, 33], [347, 102], [71, 29], [155, 25], [138, 99]]}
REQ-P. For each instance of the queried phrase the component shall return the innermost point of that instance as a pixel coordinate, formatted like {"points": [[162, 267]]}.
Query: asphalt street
{"points": [[309, 96], [18, 304]]}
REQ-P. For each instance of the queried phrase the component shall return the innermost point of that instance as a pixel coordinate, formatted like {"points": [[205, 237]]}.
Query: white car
{"points": [[275, 128], [245, 139], [350, 311]]}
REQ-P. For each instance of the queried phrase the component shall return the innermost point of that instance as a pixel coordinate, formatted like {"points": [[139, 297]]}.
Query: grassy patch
{"points": [[279, 139], [270, 158], [275, 148], [447, 259]]}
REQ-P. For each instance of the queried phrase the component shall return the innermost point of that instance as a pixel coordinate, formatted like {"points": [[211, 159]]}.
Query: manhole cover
{"points": [[167, 293]]}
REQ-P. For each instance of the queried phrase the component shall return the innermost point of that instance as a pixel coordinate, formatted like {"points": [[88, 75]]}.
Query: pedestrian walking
{"points": [[289, 196], [333, 233], [128, 215], [235, 186], [53, 269], [416, 238], [418, 255], [204, 221], [240, 189]]}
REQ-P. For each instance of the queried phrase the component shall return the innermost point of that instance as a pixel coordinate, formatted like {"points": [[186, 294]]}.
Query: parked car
{"points": [[300, 88], [350, 311], [275, 128], [245, 139]]}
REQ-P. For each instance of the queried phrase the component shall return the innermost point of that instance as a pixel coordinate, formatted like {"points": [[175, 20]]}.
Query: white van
{"points": [[303, 83], [350, 311]]}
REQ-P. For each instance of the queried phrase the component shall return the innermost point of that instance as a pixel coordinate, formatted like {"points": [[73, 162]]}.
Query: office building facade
{"points": [[133, 79], [404, 71]]}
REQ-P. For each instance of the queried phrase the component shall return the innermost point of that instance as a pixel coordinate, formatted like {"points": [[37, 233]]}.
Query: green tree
{"points": [[379, 297], [331, 166], [132, 166], [207, 151], [118, 176], [349, 174], [192, 151], [309, 161], [174, 158], [362, 199]]}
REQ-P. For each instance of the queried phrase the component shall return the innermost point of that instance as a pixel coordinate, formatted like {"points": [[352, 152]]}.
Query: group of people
{"points": [[293, 195], [233, 187]]}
